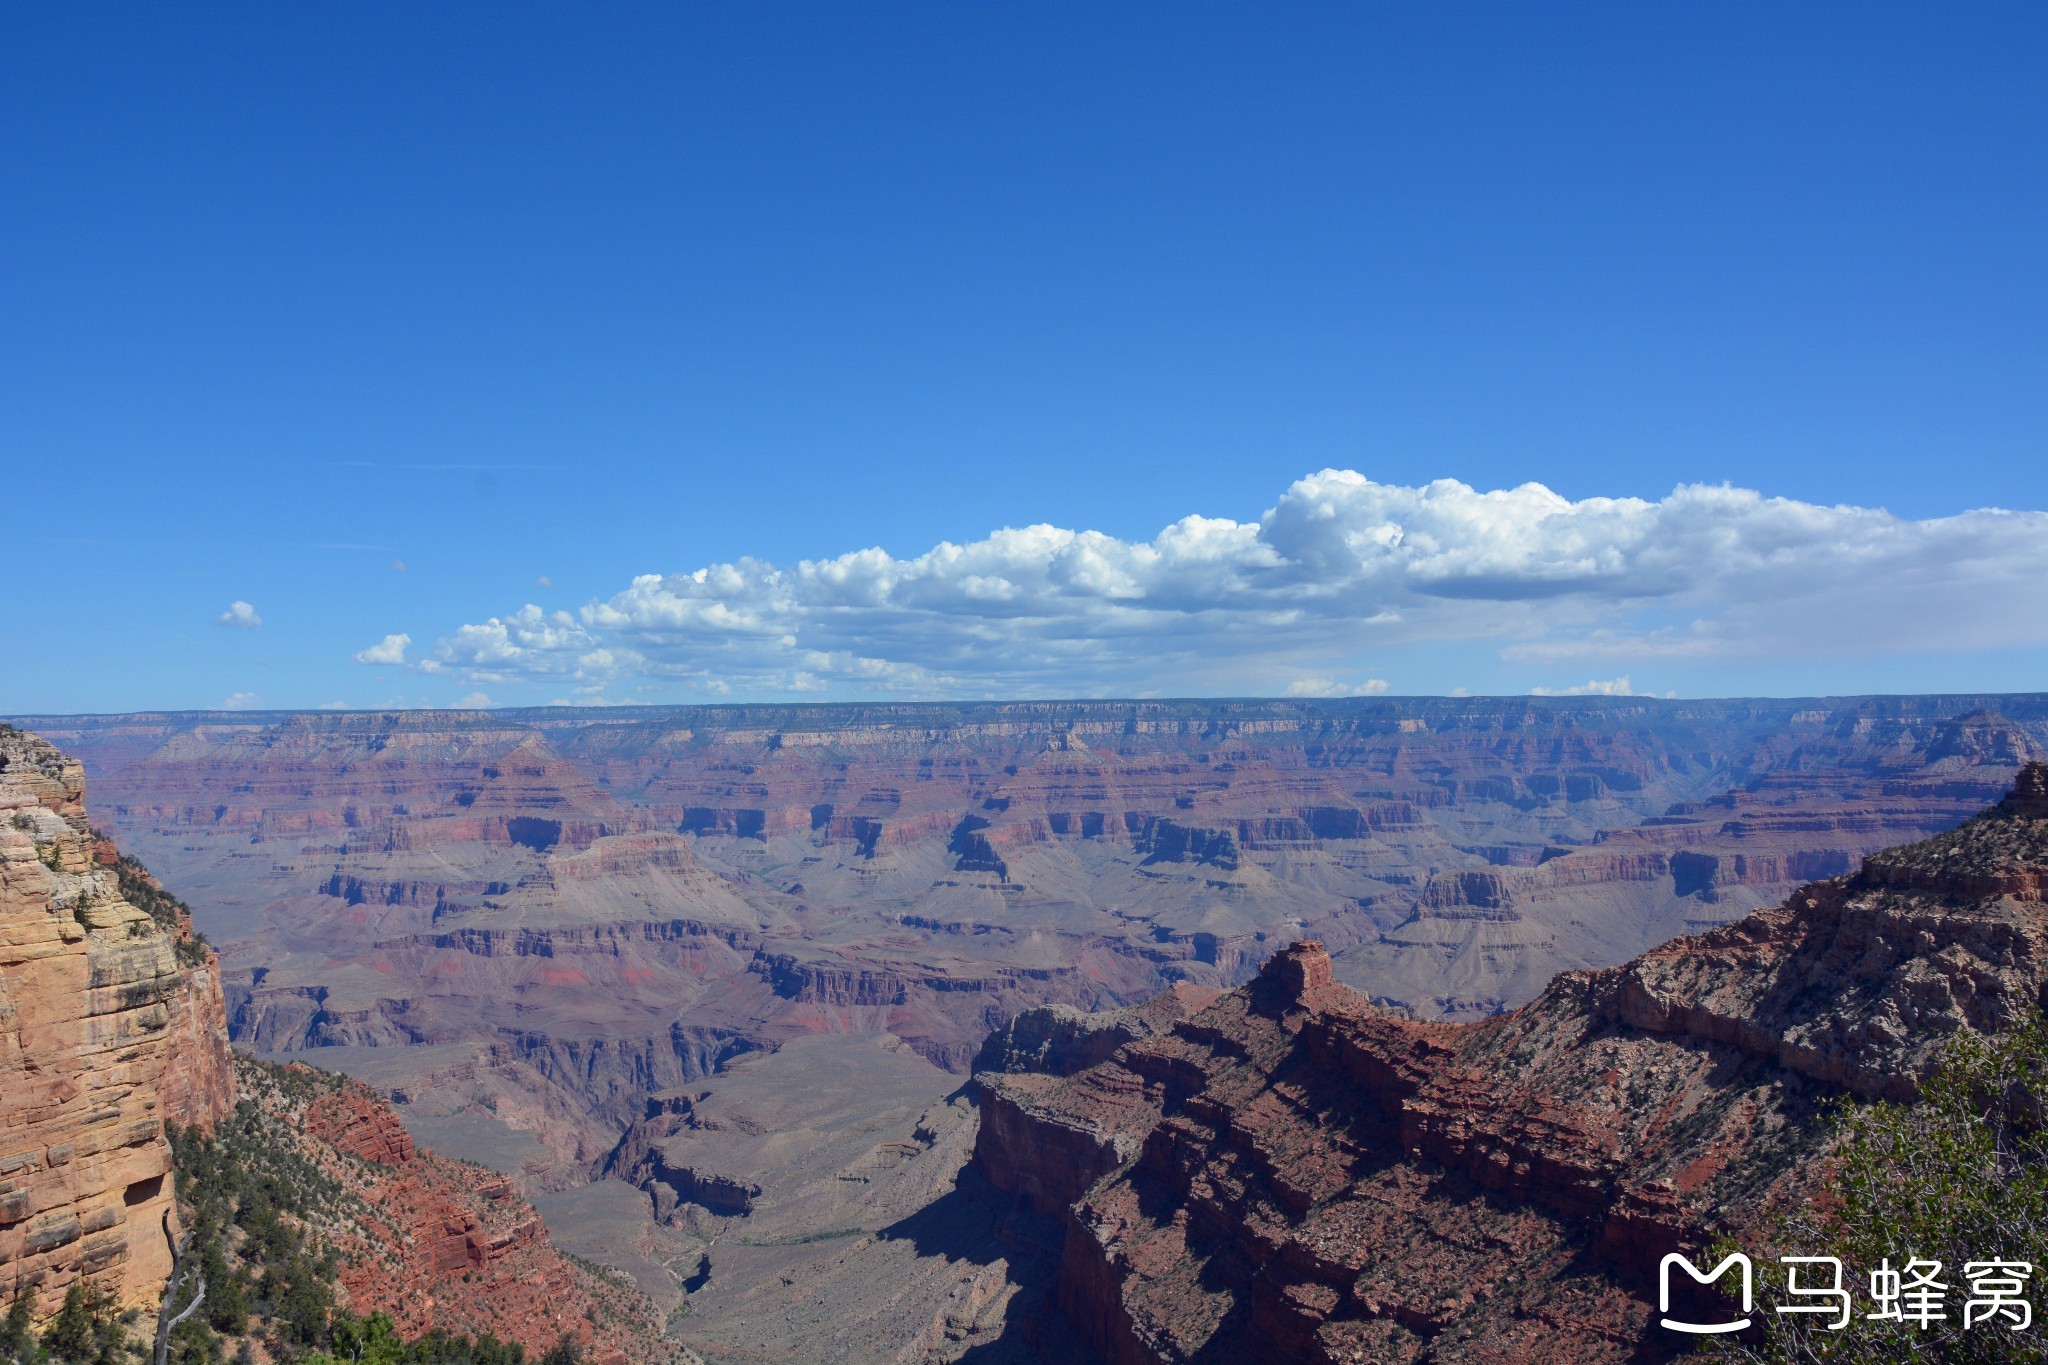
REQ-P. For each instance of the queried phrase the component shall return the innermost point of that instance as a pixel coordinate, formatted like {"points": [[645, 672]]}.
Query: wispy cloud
{"points": [[238, 701], [1593, 687], [1330, 687], [450, 467], [240, 615], [1337, 578]]}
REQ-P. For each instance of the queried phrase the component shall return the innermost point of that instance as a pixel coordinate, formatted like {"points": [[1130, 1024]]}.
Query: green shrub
{"points": [[1959, 1176]]}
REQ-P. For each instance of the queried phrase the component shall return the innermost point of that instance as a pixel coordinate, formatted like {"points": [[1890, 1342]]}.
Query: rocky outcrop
{"points": [[354, 1121], [1170, 841], [641, 1159], [1469, 895], [2029, 795], [1058, 1040], [1292, 1174], [674, 1186], [436, 1243], [107, 1032], [1047, 1142]]}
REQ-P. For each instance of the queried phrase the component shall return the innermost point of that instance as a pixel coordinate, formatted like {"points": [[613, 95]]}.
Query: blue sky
{"points": [[292, 295]]}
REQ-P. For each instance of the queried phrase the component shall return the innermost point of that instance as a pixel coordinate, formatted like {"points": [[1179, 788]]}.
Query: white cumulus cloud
{"points": [[389, 650], [240, 615], [1339, 576]]}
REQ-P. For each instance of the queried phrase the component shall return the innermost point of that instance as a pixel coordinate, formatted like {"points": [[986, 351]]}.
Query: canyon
{"points": [[1292, 1174], [602, 951]]}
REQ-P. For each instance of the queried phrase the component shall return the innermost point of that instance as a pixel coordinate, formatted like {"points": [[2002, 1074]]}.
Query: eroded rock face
{"points": [[1058, 1040], [354, 1121], [104, 1037], [434, 1242], [1292, 1174], [594, 909], [642, 1159]]}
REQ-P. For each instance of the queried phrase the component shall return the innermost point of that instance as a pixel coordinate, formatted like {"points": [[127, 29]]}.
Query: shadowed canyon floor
{"points": [[787, 1195], [594, 949]]}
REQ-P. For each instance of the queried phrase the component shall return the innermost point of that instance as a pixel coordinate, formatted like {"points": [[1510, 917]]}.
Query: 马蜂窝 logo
{"points": [[1913, 1295], [1734, 1258]]}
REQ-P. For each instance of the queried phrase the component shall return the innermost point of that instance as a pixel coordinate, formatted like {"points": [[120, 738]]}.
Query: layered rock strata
{"points": [[107, 1031], [552, 914], [1058, 1040], [434, 1242], [1293, 1174], [642, 1159]]}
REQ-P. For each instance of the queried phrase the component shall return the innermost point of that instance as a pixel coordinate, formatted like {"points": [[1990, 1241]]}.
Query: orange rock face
{"points": [[104, 1037], [1295, 1175]]}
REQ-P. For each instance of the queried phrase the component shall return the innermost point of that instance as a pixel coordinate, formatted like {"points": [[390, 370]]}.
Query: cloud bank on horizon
{"points": [[1317, 597]]}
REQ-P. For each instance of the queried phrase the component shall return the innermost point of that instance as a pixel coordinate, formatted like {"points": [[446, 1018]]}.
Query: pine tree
{"points": [[69, 1336], [17, 1332]]}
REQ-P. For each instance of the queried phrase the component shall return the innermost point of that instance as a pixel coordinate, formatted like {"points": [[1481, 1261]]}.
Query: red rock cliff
{"points": [[440, 1243]]}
